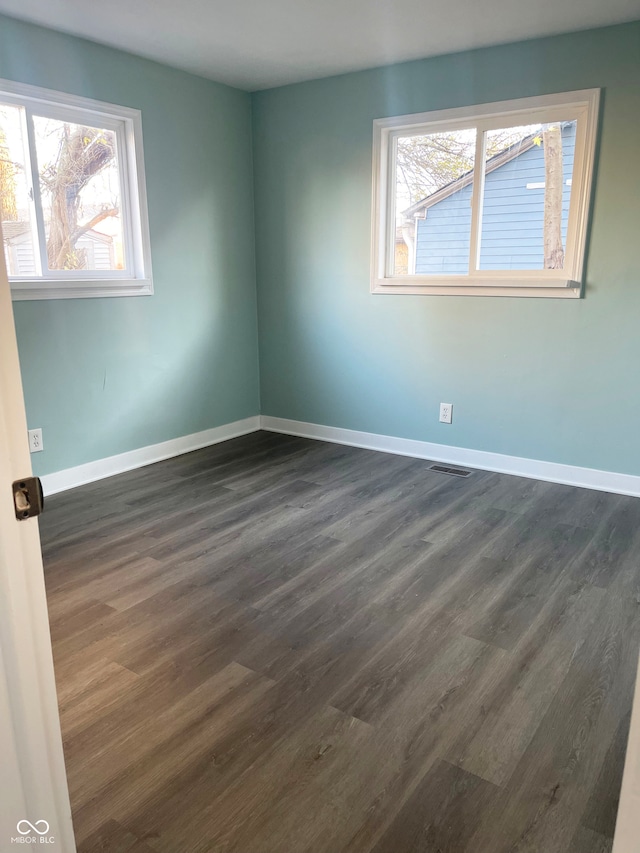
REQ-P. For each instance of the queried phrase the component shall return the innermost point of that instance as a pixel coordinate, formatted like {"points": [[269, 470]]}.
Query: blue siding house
{"points": [[512, 233]]}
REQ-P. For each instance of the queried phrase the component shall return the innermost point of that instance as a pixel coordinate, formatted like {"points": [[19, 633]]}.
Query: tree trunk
{"points": [[59, 229], [553, 250], [84, 152]]}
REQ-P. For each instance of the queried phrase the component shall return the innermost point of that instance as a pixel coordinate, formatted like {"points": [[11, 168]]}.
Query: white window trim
{"points": [[567, 283], [127, 122]]}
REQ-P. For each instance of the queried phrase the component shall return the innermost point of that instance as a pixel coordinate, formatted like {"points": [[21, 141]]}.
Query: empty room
{"points": [[320, 426]]}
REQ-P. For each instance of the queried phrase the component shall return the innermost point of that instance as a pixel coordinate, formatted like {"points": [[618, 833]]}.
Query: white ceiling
{"points": [[255, 44]]}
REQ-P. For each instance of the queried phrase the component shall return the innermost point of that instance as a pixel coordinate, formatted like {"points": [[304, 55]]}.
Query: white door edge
{"points": [[33, 784]]}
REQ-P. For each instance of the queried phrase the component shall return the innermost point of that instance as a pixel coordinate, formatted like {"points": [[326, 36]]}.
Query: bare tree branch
{"points": [[70, 242]]}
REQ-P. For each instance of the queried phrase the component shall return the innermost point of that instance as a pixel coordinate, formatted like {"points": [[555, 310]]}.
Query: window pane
{"points": [[18, 226], [80, 190], [433, 180], [528, 175]]}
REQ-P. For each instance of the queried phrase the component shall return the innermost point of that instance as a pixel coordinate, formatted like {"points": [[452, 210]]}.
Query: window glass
{"points": [[80, 189], [433, 183], [18, 222], [526, 198]]}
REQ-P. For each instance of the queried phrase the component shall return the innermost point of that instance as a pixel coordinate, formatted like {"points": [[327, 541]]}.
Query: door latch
{"points": [[28, 498]]}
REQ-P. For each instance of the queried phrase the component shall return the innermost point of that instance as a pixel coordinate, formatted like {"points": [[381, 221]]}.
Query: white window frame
{"points": [[135, 279], [583, 106]]}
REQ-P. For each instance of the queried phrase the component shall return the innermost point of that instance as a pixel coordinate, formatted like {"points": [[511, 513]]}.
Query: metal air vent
{"points": [[447, 469]]}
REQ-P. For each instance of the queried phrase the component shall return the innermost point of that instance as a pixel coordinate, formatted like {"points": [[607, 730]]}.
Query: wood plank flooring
{"points": [[276, 645]]}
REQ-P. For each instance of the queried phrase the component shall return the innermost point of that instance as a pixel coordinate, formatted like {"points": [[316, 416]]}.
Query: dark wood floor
{"points": [[281, 646]]}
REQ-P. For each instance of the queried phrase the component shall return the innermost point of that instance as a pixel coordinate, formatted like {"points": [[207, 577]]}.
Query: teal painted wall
{"points": [[546, 379], [103, 376], [535, 378]]}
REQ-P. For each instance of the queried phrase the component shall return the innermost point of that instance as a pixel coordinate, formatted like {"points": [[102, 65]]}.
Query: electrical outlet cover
{"points": [[446, 413], [35, 440]]}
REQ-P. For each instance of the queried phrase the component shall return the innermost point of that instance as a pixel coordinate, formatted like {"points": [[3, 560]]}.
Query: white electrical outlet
{"points": [[35, 440], [446, 413]]}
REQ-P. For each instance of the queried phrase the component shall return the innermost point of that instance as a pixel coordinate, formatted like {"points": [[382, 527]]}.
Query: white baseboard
{"points": [[60, 481], [553, 472]]}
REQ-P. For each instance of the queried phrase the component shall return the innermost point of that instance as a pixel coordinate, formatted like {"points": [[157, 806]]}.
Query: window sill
{"points": [[79, 289], [560, 289]]}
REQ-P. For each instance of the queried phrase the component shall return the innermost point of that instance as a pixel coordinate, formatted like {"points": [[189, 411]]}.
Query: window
{"points": [[72, 196], [489, 200]]}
